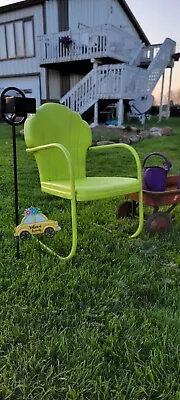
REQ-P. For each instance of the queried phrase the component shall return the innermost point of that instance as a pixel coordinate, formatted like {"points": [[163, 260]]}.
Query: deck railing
{"points": [[106, 82], [87, 43], [148, 53]]}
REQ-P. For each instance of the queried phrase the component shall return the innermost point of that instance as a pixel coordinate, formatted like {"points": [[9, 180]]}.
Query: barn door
{"points": [[63, 15]]}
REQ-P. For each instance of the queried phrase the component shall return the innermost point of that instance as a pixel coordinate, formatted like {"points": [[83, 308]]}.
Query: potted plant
{"points": [[66, 40]]}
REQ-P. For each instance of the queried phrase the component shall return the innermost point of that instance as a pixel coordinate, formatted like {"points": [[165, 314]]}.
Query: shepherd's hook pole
{"points": [[15, 186]]}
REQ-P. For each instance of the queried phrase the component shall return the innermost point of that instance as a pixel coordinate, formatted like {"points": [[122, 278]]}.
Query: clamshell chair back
{"points": [[60, 140], [54, 123]]}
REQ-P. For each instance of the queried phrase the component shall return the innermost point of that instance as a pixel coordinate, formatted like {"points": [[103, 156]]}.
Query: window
{"points": [[17, 39], [63, 15], [10, 41], [3, 49], [28, 38]]}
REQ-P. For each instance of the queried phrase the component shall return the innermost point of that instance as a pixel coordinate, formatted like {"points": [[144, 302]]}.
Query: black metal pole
{"points": [[15, 187], [8, 111]]}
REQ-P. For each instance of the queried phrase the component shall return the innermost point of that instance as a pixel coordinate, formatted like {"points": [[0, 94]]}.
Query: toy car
{"points": [[35, 223]]}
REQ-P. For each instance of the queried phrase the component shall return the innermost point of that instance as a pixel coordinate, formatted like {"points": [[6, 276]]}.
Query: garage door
{"points": [[29, 84]]}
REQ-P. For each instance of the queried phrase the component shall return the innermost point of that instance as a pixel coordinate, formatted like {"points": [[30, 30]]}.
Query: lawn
{"points": [[104, 326]]}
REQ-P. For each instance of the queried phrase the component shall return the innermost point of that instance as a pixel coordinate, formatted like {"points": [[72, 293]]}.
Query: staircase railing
{"points": [[106, 82], [82, 95], [160, 62], [148, 53]]}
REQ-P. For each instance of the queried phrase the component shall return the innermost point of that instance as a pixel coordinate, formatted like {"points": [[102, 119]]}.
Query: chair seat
{"points": [[93, 188]]}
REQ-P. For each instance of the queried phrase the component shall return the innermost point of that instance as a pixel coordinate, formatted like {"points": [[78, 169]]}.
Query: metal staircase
{"points": [[160, 62], [118, 81]]}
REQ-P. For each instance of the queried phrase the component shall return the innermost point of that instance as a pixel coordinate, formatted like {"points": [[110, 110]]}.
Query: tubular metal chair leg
{"points": [[74, 230], [141, 215], [74, 236]]}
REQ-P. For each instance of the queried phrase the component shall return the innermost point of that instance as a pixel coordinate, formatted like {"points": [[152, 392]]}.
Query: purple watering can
{"points": [[154, 178]]}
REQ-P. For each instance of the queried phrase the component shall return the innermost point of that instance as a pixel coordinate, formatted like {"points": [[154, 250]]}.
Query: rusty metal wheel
{"points": [[159, 222]]}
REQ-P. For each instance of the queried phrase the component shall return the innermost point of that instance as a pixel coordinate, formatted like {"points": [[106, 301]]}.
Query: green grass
{"points": [[103, 326]]}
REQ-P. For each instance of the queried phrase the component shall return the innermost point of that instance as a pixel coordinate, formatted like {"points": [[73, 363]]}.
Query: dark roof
{"points": [[123, 4], [134, 21], [19, 5]]}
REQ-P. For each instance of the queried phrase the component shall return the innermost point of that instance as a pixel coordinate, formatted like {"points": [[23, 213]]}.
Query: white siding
{"points": [[16, 67], [54, 84], [119, 18], [74, 79], [43, 81], [24, 82], [87, 13], [52, 25], [24, 65]]}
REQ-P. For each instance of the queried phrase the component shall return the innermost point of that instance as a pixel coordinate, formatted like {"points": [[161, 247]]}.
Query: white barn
{"points": [[79, 52]]}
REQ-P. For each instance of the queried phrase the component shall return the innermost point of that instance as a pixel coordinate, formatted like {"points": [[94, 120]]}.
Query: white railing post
{"points": [[169, 96], [95, 89], [96, 113], [120, 111], [161, 98]]}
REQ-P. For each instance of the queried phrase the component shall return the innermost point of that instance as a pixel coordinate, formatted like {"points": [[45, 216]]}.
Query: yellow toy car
{"points": [[34, 223]]}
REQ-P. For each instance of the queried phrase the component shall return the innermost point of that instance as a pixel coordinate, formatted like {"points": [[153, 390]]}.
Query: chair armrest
{"points": [[67, 156], [127, 147]]}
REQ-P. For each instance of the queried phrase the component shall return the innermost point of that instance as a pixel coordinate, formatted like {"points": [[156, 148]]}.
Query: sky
{"points": [[159, 19], [4, 2]]}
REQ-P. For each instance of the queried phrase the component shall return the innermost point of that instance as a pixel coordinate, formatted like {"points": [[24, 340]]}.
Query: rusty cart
{"points": [[159, 221]]}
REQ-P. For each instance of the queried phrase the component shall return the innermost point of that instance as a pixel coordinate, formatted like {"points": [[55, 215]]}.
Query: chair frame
{"points": [[73, 192]]}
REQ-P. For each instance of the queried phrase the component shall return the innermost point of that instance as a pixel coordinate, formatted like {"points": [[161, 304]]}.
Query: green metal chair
{"points": [[60, 139]]}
